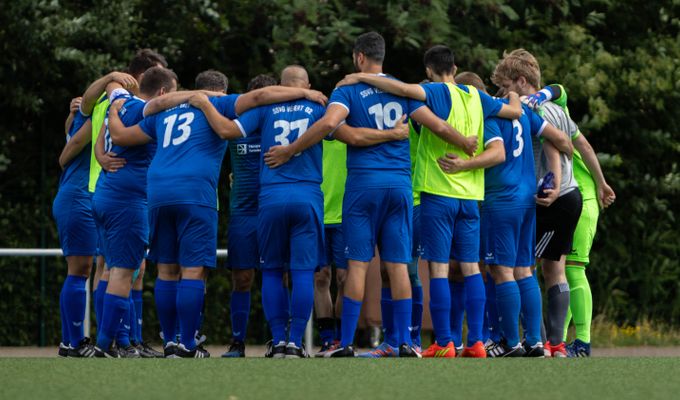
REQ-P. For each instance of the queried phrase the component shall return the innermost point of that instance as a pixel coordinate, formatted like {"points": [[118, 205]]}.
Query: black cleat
{"points": [[129, 352], [292, 351], [408, 351], [268, 349], [111, 352], [502, 349], [236, 350], [147, 351], [63, 350], [84, 349], [170, 350], [198, 352], [347, 351], [279, 350], [535, 351], [326, 347]]}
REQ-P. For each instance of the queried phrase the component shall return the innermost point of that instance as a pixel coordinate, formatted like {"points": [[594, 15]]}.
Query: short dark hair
{"points": [[156, 78], [260, 81], [143, 60], [472, 79], [371, 45], [439, 59], [212, 80]]}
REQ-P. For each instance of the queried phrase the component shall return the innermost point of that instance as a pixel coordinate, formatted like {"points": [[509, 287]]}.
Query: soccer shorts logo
{"points": [[241, 149]]}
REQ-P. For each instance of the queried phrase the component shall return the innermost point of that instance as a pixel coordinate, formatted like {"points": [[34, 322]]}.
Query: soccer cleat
{"points": [[459, 350], [578, 348], [83, 350], [200, 338], [278, 350], [503, 349], [236, 350], [293, 351], [198, 352], [489, 344], [408, 351], [535, 351], [147, 351], [383, 350], [557, 351], [347, 351], [474, 351], [111, 352], [129, 352], [170, 350], [268, 349], [437, 351], [326, 347], [63, 350]]}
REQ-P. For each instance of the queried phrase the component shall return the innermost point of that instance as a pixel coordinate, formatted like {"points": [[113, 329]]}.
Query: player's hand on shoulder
{"points": [[316, 96], [110, 162], [349, 79], [400, 130], [534, 101], [606, 195], [75, 104], [450, 163], [277, 156], [551, 196], [116, 105], [199, 100], [126, 80], [471, 144]]}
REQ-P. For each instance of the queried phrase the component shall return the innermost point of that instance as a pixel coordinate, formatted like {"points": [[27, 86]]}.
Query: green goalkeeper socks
{"points": [[581, 302]]}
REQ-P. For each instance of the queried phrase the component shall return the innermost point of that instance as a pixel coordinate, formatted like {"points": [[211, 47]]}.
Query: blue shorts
{"points": [[184, 234], [242, 242], [417, 247], [72, 212], [290, 229], [382, 217], [335, 247], [124, 228], [508, 237], [450, 229]]}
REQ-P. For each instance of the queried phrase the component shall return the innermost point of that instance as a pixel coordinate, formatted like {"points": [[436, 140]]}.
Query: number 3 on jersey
{"points": [[517, 129], [184, 126], [287, 126]]}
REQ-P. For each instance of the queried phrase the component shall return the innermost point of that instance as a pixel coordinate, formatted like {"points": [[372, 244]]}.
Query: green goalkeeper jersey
{"points": [[334, 176]]}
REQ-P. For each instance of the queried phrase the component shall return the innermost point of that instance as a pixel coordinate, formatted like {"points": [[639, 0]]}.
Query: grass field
{"points": [[258, 378]]}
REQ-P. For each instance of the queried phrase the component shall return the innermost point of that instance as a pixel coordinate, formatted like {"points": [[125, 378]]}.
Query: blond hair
{"points": [[516, 64], [471, 79]]}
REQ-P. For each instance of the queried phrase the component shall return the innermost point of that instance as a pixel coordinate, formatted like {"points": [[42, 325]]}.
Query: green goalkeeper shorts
{"points": [[585, 232]]}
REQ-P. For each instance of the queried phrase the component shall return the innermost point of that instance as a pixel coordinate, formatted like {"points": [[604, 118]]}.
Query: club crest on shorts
{"points": [[241, 149]]}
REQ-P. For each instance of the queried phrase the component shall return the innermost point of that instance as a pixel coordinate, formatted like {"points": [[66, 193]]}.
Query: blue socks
{"points": [[402, 320], [275, 302], [165, 293], [301, 304], [417, 313], [240, 310], [99, 302], [114, 309], [387, 317], [457, 311], [440, 309], [73, 308], [494, 329], [475, 298], [531, 307], [139, 316], [350, 317], [124, 332], [190, 293], [65, 323], [508, 303]]}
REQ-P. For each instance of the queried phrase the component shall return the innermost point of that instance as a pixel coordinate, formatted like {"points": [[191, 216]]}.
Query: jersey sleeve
{"points": [[490, 106], [491, 132], [340, 96], [413, 105], [226, 105], [249, 121], [148, 126], [536, 122]]}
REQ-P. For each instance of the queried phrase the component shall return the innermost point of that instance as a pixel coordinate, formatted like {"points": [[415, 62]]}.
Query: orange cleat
{"points": [[557, 351], [474, 351], [437, 351]]}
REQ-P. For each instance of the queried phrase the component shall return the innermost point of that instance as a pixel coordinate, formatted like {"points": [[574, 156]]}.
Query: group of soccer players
{"points": [[439, 170]]}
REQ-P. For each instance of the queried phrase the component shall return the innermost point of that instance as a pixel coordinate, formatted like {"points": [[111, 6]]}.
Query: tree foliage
{"points": [[619, 61]]}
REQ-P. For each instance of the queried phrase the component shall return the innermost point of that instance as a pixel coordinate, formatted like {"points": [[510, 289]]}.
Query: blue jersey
{"points": [[76, 173], [438, 98], [245, 167], [128, 184], [282, 124], [512, 184], [382, 165], [186, 167]]}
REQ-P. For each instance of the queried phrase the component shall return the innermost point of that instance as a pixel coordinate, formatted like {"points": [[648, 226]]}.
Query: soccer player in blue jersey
{"points": [[119, 205], [378, 202], [243, 256], [182, 196], [508, 226], [72, 212]]}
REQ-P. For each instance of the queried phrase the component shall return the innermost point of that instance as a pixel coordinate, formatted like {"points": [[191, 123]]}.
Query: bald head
{"points": [[295, 76]]}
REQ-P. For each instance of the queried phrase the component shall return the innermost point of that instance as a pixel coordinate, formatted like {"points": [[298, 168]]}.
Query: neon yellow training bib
{"points": [[98, 115], [467, 117]]}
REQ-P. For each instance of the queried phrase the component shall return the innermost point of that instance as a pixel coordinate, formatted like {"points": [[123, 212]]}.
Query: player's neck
{"points": [[446, 78], [372, 69]]}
